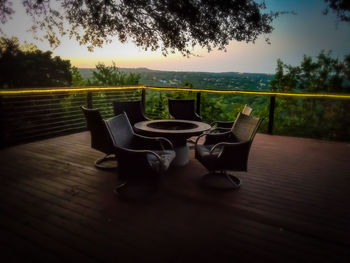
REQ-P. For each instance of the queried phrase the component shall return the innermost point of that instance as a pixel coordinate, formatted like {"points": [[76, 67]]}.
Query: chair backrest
{"points": [[120, 130], [100, 139], [133, 109], [247, 110], [182, 109], [245, 127]]}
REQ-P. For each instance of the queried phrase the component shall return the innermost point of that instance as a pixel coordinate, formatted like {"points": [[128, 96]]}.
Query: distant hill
{"points": [[205, 80]]}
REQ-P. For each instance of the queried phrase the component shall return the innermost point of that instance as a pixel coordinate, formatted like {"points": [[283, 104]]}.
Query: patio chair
{"points": [[142, 160], [183, 110], [134, 110], [100, 139], [222, 126], [228, 151]]}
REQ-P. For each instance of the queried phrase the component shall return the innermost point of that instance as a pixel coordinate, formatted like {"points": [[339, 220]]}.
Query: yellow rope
{"points": [[97, 89]]}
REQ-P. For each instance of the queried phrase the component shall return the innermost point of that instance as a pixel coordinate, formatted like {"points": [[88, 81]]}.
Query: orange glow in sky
{"points": [[308, 33]]}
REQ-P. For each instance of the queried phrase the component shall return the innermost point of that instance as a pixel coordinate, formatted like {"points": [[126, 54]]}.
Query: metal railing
{"points": [[27, 116], [31, 114]]}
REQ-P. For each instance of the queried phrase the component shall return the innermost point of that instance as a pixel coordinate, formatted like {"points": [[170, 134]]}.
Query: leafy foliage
{"points": [[341, 8], [326, 74], [213, 106], [152, 24], [77, 79], [112, 76], [319, 118], [27, 66], [102, 76], [5, 10]]}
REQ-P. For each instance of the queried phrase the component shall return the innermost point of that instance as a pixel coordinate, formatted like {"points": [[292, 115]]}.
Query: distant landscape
{"points": [[204, 80], [316, 118]]}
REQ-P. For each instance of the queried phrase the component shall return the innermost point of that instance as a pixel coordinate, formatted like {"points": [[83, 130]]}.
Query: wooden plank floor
{"points": [[293, 207]]}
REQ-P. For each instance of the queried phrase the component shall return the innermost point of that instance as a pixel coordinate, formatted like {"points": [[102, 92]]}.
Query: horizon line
{"points": [[191, 71]]}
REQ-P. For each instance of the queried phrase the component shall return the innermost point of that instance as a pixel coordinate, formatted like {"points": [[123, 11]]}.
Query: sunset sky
{"points": [[308, 32]]}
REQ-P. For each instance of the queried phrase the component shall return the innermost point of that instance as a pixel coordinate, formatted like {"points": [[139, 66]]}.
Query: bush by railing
{"points": [[35, 114]]}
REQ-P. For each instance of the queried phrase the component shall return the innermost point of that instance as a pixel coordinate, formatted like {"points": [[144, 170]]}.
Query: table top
{"points": [[172, 127]]}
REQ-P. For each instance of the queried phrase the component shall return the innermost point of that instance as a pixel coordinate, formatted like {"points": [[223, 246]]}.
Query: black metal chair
{"points": [[228, 151], [134, 110], [183, 110], [223, 126], [142, 160], [100, 139]]}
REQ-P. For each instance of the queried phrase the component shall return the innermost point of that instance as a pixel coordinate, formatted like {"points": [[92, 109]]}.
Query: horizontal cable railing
{"points": [[31, 114], [26, 115]]}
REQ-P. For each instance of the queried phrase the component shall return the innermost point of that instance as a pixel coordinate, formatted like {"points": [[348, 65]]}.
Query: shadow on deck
{"points": [[293, 207]]}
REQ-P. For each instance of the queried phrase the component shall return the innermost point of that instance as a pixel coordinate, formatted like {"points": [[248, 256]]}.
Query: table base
{"points": [[182, 155]]}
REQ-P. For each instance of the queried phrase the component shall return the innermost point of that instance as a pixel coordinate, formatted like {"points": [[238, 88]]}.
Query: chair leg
{"points": [[221, 180], [236, 182], [107, 162], [118, 190]]}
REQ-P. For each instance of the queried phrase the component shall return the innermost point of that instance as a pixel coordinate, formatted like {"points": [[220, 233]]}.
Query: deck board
{"points": [[293, 206]]}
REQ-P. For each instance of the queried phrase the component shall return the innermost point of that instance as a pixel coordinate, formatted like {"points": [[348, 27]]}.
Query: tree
{"points": [[152, 24], [112, 76], [320, 118], [77, 79], [325, 74], [341, 8], [27, 66]]}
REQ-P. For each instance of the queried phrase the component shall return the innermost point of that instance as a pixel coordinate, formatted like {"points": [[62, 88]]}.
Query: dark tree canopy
{"points": [[168, 25], [325, 74], [111, 76], [341, 8], [27, 66]]}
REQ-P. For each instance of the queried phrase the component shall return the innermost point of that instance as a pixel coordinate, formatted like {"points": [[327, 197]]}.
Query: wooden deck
{"points": [[294, 206]]}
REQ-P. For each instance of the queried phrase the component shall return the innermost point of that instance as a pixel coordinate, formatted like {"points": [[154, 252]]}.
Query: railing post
{"points": [[2, 125], [198, 103], [143, 98], [271, 114], [89, 100]]}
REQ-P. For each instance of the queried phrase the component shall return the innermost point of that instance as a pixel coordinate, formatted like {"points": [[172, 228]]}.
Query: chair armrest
{"points": [[223, 124], [140, 152], [219, 130], [163, 139], [146, 118], [219, 134], [231, 145], [214, 136], [151, 140], [198, 116], [198, 137]]}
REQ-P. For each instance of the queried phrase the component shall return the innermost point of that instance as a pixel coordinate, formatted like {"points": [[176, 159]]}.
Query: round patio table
{"points": [[177, 131]]}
